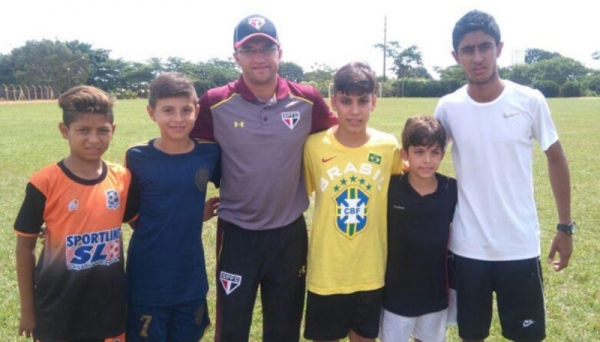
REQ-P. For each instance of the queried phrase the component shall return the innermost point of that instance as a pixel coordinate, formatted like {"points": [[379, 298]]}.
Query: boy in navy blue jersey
{"points": [[166, 271], [420, 209]]}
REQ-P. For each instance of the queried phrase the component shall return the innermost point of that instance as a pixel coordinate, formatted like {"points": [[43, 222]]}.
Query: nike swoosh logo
{"points": [[398, 207], [527, 323], [325, 160], [508, 115]]}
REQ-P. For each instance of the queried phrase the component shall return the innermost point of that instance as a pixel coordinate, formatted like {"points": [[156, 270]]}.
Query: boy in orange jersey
{"points": [[77, 289]]}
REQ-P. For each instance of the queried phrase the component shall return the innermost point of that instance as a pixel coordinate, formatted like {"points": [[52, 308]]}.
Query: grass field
{"points": [[30, 140]]}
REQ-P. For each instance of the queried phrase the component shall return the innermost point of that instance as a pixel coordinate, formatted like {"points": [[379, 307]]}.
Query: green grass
{"points": [[30, 140]]}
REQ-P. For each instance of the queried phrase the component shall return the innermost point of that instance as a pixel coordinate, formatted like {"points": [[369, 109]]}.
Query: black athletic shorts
{"points": [[331, 317], [273, 260], [519, 292]]}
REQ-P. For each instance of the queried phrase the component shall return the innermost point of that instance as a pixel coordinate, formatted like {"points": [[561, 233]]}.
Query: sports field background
{"points": [[30, 140]]}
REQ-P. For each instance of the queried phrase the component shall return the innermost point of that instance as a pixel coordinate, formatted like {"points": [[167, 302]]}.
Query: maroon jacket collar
{"points": [[281, 91]]}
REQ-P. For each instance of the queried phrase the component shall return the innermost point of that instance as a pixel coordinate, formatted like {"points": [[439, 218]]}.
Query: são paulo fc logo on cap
{"points": [[256, 22], [229, 281]]}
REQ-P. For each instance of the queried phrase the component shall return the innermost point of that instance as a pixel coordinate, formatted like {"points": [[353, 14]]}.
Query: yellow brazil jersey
{"points": [[348, 237]]}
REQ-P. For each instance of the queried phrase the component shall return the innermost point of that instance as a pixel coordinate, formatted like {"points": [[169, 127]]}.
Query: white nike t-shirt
{"points": [[492, 150]]}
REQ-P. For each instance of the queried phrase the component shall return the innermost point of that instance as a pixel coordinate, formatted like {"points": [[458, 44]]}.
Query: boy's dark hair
{"points": [[171, 84], [356, 78], [423, 131], [85, 100], [475, 21]]}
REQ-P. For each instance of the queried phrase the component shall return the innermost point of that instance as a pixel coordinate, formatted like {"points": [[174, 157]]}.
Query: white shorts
{"points": [[430, 327], [452, 308]]}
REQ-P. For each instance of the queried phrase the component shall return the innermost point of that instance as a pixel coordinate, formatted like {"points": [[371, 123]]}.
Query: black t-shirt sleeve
{"points": [[31, 215], [132, 204], [216, 176]]}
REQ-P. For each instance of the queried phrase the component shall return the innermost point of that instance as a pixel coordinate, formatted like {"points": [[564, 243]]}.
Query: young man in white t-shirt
{"points": [[496, 236]]}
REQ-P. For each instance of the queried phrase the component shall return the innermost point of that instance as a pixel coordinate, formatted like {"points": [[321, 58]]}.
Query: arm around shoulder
{"points": [[323, 117], [203, 128], [132, 205]]}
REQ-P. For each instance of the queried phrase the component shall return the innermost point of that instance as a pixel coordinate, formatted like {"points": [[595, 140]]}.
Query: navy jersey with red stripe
{"points": [[165, 258], [79, 277]]}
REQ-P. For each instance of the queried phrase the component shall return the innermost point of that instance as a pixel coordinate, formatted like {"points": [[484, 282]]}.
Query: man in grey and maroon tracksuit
{"points": [[261, 122]]}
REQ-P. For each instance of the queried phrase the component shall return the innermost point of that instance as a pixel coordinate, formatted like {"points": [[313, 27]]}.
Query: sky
{"points": [[311, 32]]}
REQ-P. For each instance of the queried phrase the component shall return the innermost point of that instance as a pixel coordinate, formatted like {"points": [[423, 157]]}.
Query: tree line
{"points": [[551, 73], [59, 65]]}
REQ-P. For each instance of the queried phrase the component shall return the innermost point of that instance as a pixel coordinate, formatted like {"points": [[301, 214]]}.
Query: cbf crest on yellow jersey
{"points": [[348, 238], [351, 205]]}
